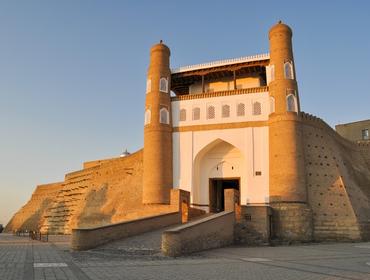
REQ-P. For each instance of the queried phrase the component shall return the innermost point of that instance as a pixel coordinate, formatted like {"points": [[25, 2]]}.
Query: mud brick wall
{"points": [[338, 183], [104, 192], [31, 215]]}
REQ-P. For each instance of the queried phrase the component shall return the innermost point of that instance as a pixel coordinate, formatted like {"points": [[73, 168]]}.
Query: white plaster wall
{"points": [[193, 162], [232, 101], [222, 160]]}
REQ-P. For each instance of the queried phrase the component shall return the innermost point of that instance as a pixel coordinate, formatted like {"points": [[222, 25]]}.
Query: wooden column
{"points": [[202, 83], [234, 75]]}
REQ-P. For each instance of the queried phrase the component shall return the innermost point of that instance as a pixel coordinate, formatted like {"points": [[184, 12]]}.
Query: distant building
{"points": [[355, 131]]}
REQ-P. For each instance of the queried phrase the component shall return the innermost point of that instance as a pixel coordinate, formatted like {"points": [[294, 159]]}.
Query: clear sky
{"points": [[72, 72]]}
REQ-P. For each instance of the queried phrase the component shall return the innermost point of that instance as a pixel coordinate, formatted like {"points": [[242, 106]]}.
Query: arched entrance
{"points": [[217, 167], [217, 187]]}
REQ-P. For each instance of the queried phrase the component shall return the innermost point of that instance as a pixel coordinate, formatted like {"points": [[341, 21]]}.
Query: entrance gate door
{"points": [[216, 192]]}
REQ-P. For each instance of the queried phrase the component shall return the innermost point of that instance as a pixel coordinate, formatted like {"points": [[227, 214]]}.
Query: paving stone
{"points": [[126, 259]]}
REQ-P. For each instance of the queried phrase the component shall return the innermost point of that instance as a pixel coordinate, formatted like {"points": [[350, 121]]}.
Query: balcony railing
{"points": [[220, 93]]}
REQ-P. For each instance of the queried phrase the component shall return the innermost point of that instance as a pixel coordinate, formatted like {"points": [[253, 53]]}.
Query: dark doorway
{"points": [[216, 192]]}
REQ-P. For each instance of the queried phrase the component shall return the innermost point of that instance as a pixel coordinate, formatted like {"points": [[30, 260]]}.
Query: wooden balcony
{"points": [[220, 93]]}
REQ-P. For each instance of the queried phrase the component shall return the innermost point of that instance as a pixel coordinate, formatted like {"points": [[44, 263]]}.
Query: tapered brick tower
{"points": [[157, 181], [288, 194]]}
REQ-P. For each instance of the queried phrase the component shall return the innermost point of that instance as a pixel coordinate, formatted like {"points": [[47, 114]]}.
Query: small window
{"points": [[211, 112], [225, 111], [182, 115], [163, 85], [288, 70], [257, 108], [147, 116], [196, 114], [148, 85], [240, 110], [270, 73], [291, 103], [365, 134], [272, 104], [164, 116]]}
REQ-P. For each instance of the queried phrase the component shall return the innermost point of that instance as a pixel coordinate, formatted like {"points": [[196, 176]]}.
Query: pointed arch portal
{"points": [[228, 154], [217, 167]]}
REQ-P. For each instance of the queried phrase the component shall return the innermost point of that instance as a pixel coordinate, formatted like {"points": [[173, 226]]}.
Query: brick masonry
{"points": [[319, 182], [337, 179], [103, 193]]}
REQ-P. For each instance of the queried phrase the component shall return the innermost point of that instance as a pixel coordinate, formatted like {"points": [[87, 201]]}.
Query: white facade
{"points": [[232, 100], [202, 154]]}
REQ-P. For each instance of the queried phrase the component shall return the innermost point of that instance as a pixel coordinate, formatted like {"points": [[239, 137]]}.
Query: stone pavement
{"points": [[139, 258]]}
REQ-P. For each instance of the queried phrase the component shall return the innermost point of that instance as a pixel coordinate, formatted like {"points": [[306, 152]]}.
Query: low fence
{"points": [[43, 237], [211, 232], [34, 235], [22, 233], [88, 238]]}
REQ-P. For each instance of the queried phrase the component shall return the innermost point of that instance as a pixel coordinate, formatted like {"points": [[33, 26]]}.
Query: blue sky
{"points": [[72, 72]]}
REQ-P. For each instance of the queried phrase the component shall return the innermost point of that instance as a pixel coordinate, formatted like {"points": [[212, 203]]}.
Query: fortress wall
{"points": [[116, 194], [94, 163], [364, 147], [105, 192], [116, 187], [338, 183], [30, 216], [109, 191], [59, 214]]}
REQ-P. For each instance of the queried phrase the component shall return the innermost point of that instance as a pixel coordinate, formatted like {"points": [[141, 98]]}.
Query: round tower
{"points": [[288, 193], [157, 181]]}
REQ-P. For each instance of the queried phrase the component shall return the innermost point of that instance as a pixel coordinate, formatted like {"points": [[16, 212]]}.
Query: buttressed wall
{"points": [[105, 192]]}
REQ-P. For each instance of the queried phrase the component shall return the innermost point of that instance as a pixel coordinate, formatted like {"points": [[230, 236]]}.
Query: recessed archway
{"points": [[218, 161]]}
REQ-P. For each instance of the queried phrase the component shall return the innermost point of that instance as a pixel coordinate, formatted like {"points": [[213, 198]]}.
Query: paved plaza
{"points": [[140, 258]]}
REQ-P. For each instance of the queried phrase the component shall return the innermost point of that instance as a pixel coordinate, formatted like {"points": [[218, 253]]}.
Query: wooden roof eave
{"points": [[232, 67]]}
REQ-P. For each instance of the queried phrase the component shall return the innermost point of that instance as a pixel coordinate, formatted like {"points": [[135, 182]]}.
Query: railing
{"points": [[43, 237], [220, 93], [21, 233], [34, 235]]}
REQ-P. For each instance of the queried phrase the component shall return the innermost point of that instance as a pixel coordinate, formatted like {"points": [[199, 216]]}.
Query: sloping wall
{"points": [[105, 192], [98, 195], [338, 182], [31, 215]]}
